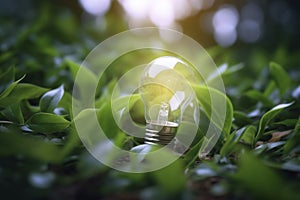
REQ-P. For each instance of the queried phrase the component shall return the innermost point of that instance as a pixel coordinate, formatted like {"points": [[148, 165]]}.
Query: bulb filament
{"points": [[163, 113]]}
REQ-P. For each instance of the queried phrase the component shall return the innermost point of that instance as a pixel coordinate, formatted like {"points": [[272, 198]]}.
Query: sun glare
{"points": [[161, 13]]}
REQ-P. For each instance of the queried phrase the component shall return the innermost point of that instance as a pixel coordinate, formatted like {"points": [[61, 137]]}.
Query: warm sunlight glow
{"points": [[95, 7], [161, 13], [136, 9], [225, 21]]}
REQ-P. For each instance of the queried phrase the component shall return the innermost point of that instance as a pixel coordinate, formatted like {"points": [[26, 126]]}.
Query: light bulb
{"points": [[165, 92]]}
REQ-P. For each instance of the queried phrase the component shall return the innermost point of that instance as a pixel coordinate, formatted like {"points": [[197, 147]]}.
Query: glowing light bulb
{"points": [[166, 93]]}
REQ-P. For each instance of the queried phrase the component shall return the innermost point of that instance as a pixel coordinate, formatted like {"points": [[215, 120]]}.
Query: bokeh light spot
{"points": [[95, 7], [162, 15], [41, 180], [249, 31], [225, 21]]}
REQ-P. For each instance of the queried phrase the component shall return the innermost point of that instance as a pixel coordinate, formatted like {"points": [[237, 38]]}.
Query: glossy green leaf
{"points": [[50, 99], [222, 104], [233, 69], [280, 76], [193, 154], [47, 123], [268, 116], [268, 147], [249, 135], [66, 102], [231, 143], [142, 151], [22, 91], [294, 140]]}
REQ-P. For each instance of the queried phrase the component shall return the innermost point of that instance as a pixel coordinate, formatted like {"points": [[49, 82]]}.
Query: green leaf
{"points": [[47, 123], [268, 146], [233, 69], [220, 70], [241, 118], [231, 143], [294, 140], [107, 120], [270, 88], [249, 135], [193, 153], [171, 178], [287, 122], [206, 146], [268, 116], [125, 102], [128, 106], [7, 91], [85, 82], [141, 151], [260, 97], [74, 67], [22, 91], [280, 76], [14, 113], [72, 141], [261, 181], [7, 78], [50, 99], [222, 105], [66, 102]]}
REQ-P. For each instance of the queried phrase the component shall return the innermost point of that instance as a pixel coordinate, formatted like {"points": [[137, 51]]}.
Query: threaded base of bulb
{"points": [[158, 134]]}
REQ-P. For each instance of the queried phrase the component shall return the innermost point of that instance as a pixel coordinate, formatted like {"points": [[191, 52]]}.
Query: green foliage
{"points": [[15, 144], [256, 157], [268, 116], [221, 103], [252, 174], [280, 77], [47, 123], [21, 92]]}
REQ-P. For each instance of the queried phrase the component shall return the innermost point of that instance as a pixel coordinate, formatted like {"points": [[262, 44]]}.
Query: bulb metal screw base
{"points": [[158, 134]]}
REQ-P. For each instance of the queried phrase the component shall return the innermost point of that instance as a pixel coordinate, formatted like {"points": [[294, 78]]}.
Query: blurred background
{"points": [[232, 31], [269, 24]]}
